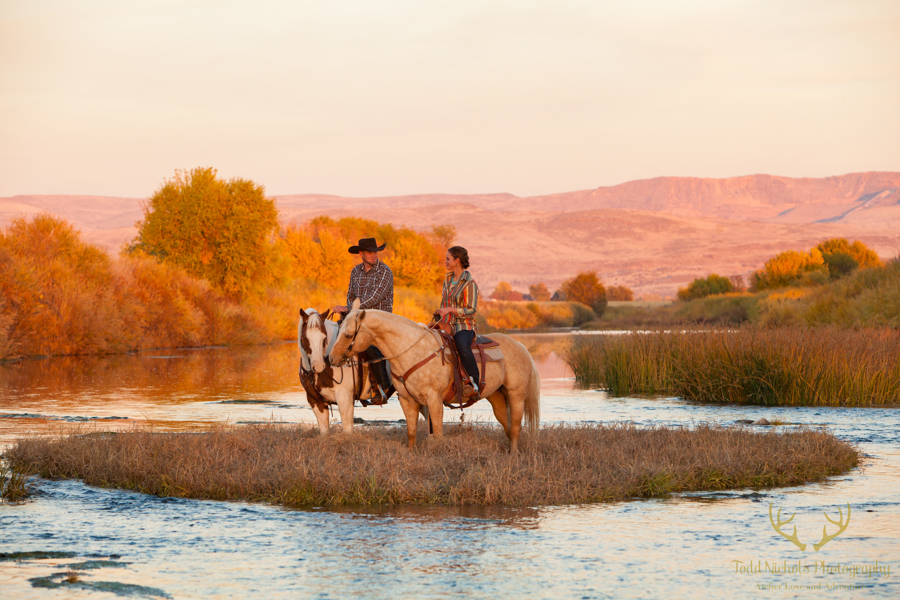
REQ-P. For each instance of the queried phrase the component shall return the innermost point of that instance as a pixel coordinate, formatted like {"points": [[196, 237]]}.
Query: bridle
{"points": [[349, 348]]}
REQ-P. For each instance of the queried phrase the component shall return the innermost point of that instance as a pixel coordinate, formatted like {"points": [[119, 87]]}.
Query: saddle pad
{"points": [[494, 354]]}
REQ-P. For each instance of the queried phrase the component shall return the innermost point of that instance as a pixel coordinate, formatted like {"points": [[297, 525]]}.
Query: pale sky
{"points": [[368, 98]]}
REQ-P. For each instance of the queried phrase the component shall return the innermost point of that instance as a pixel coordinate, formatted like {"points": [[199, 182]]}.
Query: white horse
{"points": [[512, 385], [325, 384]]}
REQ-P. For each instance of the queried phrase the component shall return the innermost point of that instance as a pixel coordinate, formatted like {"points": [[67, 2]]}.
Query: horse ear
{"points": [[326, 315], [356, 304], [303, 315], [362, 315]]}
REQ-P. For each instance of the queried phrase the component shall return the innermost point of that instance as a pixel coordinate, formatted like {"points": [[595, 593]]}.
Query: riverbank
{"points": [[564, 464], [826, 366]]}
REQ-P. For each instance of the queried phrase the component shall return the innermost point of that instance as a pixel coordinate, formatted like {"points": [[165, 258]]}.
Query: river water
{"points": [[686, 546]]}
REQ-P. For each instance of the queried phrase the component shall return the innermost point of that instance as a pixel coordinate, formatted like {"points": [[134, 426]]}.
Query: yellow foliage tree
{"points": [[217, 230], [862, 254], [788, 267]]}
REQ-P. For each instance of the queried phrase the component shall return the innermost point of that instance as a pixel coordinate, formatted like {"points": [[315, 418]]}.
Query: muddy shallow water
{"points": [[685, 546]]}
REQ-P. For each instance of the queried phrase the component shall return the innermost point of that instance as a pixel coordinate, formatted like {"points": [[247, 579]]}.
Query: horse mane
{"points": [[331, 331]]}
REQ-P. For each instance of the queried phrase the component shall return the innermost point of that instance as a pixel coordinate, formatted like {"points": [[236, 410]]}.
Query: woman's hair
{"points": [[461, 253]]}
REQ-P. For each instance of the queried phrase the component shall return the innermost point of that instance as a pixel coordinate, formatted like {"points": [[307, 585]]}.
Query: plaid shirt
{"points": [[374, 289], [463, 296]]}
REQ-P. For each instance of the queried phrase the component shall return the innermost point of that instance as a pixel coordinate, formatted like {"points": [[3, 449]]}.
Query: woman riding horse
{"points": [[459, 300]]}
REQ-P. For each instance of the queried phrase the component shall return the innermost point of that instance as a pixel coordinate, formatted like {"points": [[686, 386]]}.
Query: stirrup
{"points": [[474, 387], [383, 399]]}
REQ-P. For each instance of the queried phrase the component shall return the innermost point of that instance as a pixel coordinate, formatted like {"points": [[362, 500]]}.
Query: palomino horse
{"points": [[512, 385], [333, 385]]}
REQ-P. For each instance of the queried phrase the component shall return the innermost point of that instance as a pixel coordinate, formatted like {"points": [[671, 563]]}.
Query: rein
{"points": [[424, 335], [345, 358]]}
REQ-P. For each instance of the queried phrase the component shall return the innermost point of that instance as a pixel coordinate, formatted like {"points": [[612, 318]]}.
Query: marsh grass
{"points": [[14, 484], [787, 366], [295, 466]]}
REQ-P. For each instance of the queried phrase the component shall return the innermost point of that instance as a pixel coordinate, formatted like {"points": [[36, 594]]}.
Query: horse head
{"points": [[353, 336], [313, 338]]}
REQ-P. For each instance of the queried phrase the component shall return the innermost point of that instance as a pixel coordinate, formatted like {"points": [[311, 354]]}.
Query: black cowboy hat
{"points": [[367, 244]]}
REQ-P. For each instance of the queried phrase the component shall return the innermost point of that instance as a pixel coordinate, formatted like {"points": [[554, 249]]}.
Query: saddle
{"points": [[313, 383], [480, 344]]}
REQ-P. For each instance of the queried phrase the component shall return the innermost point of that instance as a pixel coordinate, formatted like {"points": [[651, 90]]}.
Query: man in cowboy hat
{"points": [[372, 282]]}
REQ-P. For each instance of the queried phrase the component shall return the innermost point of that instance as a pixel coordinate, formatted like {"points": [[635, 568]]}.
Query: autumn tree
{"points": [[504, 291], [737, 283], [787, 268], [587, 289], [442, 237], [841, 257], [217, 230], [539, 292], [619, 293], [318, 250]]}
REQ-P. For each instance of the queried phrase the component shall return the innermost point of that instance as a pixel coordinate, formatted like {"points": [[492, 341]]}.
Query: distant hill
{"points": [[653, 235]]}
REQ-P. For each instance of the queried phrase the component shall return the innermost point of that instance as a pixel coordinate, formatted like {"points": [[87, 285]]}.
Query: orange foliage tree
{"points": [[220, 231], [56, 290], [504, 291], [619, 293], [587, 289], [61, 295], [539, 292], [318, 250]]}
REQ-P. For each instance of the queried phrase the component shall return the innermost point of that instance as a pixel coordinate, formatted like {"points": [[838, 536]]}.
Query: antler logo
{"points": [[825, 537]]}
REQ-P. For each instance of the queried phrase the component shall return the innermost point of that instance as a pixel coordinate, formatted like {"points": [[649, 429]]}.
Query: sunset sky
{"points": [[366, 98]]}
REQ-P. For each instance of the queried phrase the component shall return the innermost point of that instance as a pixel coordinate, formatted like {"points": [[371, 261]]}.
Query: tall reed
{"points": [[295, 466], [791, 366]]}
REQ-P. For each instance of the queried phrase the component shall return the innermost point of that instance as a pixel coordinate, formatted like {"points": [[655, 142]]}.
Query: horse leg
{"points": [[516, 399], [345, 406], [498, 403], [411, 412], [321, 412], [435, 415]]}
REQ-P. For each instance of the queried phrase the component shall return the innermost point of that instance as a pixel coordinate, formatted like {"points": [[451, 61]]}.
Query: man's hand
{"points": [[339, 309], [445, 311]]}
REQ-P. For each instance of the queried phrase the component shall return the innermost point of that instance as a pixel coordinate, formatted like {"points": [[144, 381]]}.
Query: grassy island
{"points": [[294, 466]]}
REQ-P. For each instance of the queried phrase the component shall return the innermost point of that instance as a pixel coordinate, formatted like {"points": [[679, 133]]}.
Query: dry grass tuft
{"points": [[824, 366], [14, 484], [294, 466]]}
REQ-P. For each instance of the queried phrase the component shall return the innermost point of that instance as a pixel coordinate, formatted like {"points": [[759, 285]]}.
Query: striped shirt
{"points": [[374, 289], [463, 296]]}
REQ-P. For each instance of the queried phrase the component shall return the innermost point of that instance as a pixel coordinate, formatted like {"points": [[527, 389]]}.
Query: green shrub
{"points": [[703, 287]]}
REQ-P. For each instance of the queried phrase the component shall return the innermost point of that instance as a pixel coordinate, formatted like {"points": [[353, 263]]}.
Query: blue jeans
{"points": [[464, 341]]}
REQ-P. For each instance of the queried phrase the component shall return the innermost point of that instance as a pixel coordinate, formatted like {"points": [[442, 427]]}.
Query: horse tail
{"points": [[533, 400]]}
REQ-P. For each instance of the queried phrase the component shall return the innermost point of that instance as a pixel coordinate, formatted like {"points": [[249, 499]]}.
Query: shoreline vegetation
{"points": [[794, 366], [61, 296], [295, 466]]}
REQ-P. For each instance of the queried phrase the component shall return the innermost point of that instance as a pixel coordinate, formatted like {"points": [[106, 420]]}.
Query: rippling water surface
{"points": [[686, 546]]}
